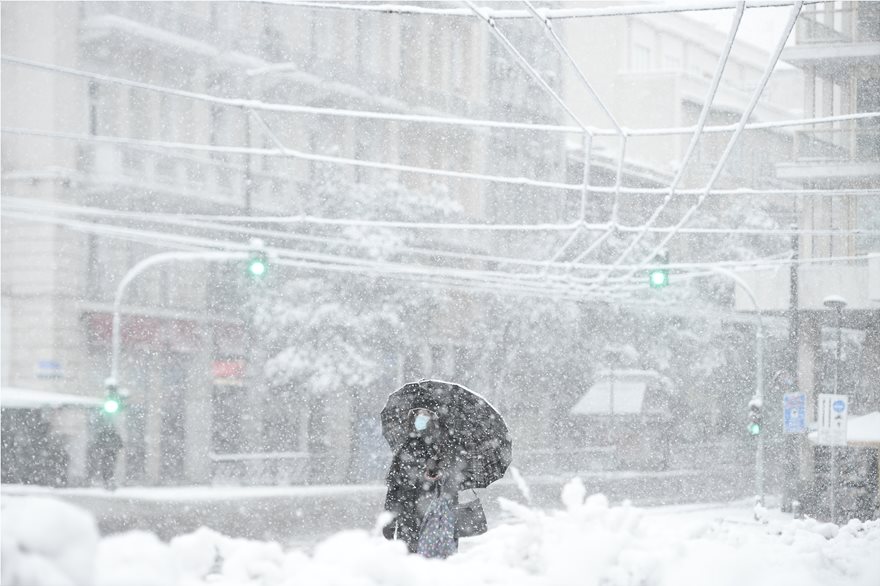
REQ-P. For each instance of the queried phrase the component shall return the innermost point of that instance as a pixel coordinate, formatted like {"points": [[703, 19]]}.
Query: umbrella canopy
{"points": [[471, 426]]}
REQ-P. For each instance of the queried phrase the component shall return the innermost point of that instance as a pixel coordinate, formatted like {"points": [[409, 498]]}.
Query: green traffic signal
{"points": [[658, 278], [755, 417], [257, 267], [111, 406]]}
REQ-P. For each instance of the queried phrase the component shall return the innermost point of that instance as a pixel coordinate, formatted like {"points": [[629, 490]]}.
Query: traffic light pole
{"points": [[759, 376], [151, 261]]}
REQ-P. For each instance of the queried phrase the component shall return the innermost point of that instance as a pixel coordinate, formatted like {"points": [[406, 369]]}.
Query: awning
{"points": [[629, 397], [861, 430], [864, 429], [17, 398]]}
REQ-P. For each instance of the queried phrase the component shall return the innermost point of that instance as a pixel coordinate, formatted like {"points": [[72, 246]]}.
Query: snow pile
{"points": [[587, 543], [46, 543]]}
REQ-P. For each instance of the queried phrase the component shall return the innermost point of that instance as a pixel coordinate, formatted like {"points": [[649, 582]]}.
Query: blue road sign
{"points": [[794, 409], [838, 405]]}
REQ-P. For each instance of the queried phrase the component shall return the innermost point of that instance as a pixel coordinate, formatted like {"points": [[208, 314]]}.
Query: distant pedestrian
{"points": [[103, 452]]}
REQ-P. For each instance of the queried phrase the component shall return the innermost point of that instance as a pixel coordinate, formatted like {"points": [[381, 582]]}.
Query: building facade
{"points": [[197, 407], [653, 71], [838, 48]]}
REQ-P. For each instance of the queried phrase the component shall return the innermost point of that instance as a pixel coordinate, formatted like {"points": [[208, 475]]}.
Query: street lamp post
{"points": [[151, 261], [758, 399], [112, 382], [837, 303]]}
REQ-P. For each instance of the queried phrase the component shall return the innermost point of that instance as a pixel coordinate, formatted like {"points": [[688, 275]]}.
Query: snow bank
{"points": [[46, 542], [586, 543]]}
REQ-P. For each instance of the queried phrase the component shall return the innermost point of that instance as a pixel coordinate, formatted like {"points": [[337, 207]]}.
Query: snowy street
{"points": [[304, 515], [582, 541]]}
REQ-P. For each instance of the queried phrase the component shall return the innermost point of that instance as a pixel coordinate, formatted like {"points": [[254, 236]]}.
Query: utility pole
{"points": [[791, 443], [757, 400], [837, 303]]}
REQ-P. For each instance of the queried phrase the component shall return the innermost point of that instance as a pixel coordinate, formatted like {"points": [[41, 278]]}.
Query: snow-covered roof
{"points": [[630, 374], [860, 430], [864, 429], [17, 398], [629, 397]]}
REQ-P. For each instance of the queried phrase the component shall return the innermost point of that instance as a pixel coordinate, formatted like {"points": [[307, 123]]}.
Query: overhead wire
{"points": [[606, 296], [416, 118], [522, 181], [10, 204], [620, 162], [550, 33], [551, 13], [695, 138], [753, 102], [327, 263], [218, 220]]}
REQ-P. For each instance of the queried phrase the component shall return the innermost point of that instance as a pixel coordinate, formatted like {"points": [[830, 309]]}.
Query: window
{"points": [[408, 61], [282, 421], [139, 115], [438, 360], [459, 61], [166, 116], [413, 367], [640, 58], [226, 419], [325, 37]]}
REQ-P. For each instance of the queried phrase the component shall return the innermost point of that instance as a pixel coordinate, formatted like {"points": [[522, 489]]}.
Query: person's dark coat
{"points": [[423, 467], [104, 451]]}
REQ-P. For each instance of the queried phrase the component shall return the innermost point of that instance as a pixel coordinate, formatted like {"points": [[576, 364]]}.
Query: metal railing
{"points": [[223, 177], [852, 143], [846, 22], [162, 16], [260, 469], [619, 457]]}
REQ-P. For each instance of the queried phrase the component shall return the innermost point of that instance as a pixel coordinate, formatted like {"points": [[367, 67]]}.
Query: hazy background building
{"points": [[201, 407], [194, 389]]}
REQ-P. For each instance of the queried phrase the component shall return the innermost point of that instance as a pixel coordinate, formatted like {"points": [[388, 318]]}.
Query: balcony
{"points": [[857, 281], [839, 32], [849, 152], [172, 20], [853, 142], [202, 179], [839, 22]]}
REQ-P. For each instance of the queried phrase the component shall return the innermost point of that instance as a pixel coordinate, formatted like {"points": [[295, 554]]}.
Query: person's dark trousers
{"points": [[108, 467]]}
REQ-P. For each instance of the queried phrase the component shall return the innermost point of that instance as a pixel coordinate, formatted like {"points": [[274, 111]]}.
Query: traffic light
{"points": [[658, 276], [258, 260], [111, 405], [755, 417], [112, 400], [258, 265]]}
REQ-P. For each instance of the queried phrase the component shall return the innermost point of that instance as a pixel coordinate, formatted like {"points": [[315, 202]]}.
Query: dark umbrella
{"points": [[472, 426]]}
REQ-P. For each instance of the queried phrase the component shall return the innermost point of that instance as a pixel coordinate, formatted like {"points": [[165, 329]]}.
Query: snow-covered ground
{"points": [[49, 543]]}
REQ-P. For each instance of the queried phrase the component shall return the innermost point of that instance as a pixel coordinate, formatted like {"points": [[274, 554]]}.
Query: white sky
{"points": [[760, 26]]}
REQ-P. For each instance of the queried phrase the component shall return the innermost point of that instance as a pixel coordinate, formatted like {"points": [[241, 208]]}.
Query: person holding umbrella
{"points": [[445, 438]]}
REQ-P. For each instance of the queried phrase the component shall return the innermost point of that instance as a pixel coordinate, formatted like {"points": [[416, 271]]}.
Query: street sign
{"points": [[794, 410], [832, 414], [48, 369]]}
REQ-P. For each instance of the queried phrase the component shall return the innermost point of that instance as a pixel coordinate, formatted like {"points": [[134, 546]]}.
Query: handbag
{"points": [[470, 519], [437, 533]]}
